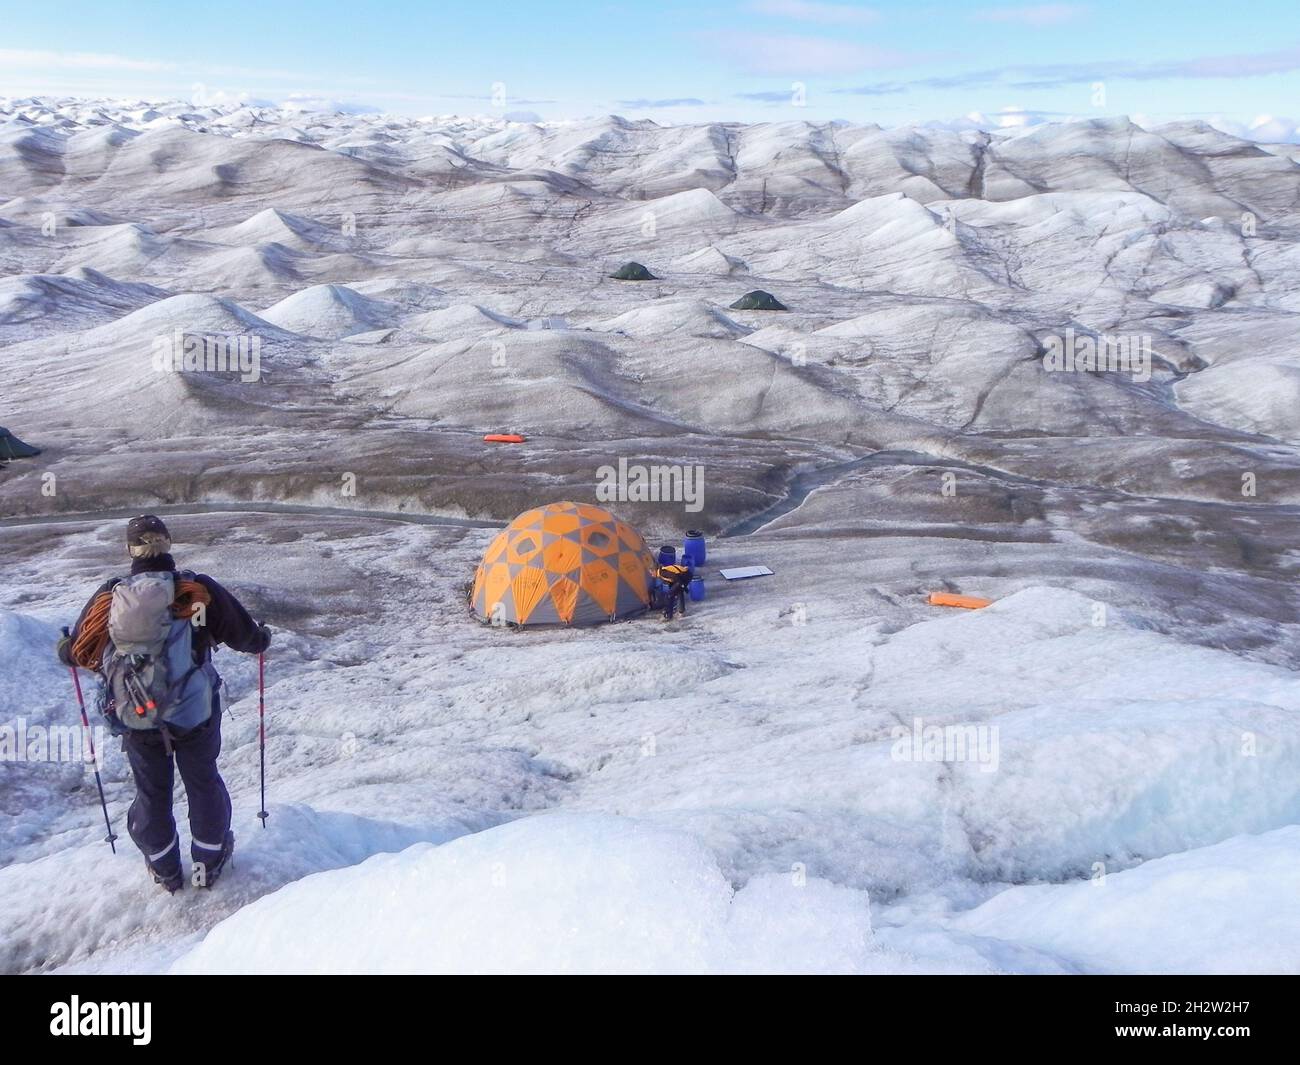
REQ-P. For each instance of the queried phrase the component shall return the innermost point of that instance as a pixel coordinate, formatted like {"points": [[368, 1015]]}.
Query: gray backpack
{"points": [[151, 678]]}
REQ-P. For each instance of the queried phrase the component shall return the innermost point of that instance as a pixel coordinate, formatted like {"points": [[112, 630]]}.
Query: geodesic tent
{"points": [[563, 564], [13, 448], [633, 272], [758, 300]]}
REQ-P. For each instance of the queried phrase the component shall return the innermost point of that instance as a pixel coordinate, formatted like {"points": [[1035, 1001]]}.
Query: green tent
{"points": [[633, 272], [758, 300], [13, 448]]}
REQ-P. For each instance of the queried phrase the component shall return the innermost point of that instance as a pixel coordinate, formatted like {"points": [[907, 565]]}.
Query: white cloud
{"points": [[1033, 14], [1007, 118], [797, 56], [645, 104], [1264, 129], [811, 11], [1270, 129], [202, 97], [310, 101], [22, 58], [1015, 117], [44, 60]]}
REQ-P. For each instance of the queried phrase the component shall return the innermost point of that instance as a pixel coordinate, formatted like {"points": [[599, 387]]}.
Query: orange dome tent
{"points": [[563, 564]]}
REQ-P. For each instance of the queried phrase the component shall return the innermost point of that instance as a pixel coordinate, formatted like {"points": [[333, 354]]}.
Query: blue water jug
{"points": [[667, 555], [697, 589], [693, 546]]}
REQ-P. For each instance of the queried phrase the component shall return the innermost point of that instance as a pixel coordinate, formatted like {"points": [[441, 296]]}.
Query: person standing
{"points": [[675, 579], [150, 637]]}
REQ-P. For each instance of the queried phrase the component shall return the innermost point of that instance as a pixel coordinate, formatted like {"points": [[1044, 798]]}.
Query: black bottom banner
{"points": [[1225, 1014]]}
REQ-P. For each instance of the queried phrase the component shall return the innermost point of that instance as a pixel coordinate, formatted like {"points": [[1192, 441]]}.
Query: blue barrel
{"points": [[697, 589], [667, 555], [693, 546]]}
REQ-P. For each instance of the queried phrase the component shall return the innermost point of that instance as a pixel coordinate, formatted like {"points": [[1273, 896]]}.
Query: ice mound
{"points": [[1229, 908], [414, 294], [693, 207], [191, 312], [282, 227], [31, 211], [697, 210], [331, 312], [689, 317], [709, 260], [1259, 395], [38, 722], [269, 263], [79, 298], [1141, 747], [27, 664], [558, 893], [460, 319], [894, 218], [42, 927]]}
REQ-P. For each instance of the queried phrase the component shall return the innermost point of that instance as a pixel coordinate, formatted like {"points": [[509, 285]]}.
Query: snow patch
{"points": [[557, 893]]}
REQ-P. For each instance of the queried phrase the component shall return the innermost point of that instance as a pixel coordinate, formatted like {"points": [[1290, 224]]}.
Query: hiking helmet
{"points": [[147, 537]]}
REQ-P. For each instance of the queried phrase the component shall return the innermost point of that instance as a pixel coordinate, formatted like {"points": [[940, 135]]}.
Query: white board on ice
{"points": [[740, 573]]}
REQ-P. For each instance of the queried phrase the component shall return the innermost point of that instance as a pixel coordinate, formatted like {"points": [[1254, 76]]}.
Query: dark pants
{"points": [[676, 593], [150, 821]]}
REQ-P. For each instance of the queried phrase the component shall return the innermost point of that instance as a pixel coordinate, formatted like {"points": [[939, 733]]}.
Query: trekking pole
{"points": [[94, 757], [262, 815]]}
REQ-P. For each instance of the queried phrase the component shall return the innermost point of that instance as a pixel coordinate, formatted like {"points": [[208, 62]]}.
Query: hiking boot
{"points": [[207, 873], [172, 882]]}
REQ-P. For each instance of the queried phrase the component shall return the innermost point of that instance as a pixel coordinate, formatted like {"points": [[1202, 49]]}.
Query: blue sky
{"points": [[887, 62]]}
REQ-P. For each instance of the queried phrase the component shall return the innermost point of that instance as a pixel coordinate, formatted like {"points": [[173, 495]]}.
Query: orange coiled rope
{"points": [[88, 648]]}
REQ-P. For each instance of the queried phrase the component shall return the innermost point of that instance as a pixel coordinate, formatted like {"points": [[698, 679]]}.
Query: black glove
{"points": [[63, 649], [265, 630]]}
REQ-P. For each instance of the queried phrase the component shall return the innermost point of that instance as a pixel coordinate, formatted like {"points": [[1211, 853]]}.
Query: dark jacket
{"points": [[227, 621], [674, 575]]}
